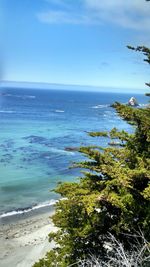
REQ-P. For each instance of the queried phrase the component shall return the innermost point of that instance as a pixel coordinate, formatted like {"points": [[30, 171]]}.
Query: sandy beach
{"points": [[25, 241]]}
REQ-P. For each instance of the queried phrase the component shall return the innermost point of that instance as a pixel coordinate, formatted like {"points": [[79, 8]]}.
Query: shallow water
{"points": [[36, 126]]}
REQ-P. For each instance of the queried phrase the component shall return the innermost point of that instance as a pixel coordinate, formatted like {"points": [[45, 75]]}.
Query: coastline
{"points": [[24, 238]]}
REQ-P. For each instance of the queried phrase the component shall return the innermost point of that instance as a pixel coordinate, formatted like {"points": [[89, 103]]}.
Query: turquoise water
{"points": [[36, 127]]}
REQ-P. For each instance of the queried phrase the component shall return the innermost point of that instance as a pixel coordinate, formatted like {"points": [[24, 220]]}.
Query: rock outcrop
{"points": [[133, 102]]}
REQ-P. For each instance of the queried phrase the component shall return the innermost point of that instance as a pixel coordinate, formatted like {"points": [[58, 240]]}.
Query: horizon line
{"points": [[51, 83], [68, 84]]}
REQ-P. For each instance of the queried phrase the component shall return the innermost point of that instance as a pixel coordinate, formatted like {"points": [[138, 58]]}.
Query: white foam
{"points": [[7, 111], [30, 96], [36, 207], [143, 105], [19, 96], [59, 111], [101, 106], [61, 151]]}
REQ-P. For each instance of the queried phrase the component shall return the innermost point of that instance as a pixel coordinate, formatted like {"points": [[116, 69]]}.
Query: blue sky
{"points": [[75, 41]]}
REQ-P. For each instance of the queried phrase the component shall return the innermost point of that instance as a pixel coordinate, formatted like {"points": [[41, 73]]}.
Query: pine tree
{"points": [[113, 196]]}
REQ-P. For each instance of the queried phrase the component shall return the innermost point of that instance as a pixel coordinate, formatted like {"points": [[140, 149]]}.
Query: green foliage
{"points": [[112, 197], [145, 50], [119, 136]]}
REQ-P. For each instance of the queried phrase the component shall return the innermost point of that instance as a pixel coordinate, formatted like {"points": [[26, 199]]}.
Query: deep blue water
{"points": [[36, 126]]}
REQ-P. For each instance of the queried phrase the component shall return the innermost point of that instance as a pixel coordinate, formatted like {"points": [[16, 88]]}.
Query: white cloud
{"points": [[63, 17], [132, 14]]}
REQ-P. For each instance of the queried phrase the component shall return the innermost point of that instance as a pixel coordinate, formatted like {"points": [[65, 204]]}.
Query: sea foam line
{"points": [[26, 210], [7, 111], [59, 111], [101, 106], [18, 96]]}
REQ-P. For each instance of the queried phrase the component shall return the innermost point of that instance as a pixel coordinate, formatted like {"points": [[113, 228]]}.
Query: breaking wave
{"points": [[19, 96], [7, 111], [59, 111], [52, 202], [101, 106]]}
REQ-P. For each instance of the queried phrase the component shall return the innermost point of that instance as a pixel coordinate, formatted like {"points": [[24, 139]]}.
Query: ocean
{"points": [[37, 130]]}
